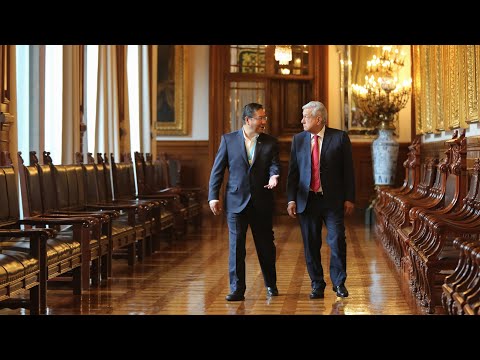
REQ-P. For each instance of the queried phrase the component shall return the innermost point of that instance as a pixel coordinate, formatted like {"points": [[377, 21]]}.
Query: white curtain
{"points": [[107, 122], [125, 134], [146, 123]]}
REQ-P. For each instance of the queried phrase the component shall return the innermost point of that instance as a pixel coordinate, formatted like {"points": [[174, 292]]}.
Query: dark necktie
{"points": [[315, 180]]}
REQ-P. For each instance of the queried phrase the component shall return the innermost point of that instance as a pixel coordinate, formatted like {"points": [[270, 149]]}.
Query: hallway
{"points": [[190, 277]]}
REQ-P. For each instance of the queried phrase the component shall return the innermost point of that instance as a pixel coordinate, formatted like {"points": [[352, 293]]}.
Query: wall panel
{"points": [[194, 158]]}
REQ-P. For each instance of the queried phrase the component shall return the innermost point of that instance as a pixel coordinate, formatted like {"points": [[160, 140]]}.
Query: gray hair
{"points": [[318, 109]]}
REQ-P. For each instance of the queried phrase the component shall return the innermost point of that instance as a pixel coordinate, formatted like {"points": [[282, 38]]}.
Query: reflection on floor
{"points": [[190, 276]]}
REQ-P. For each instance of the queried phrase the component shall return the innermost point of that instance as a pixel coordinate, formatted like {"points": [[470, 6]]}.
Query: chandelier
{"points": [[382, 95], [283, 54]]}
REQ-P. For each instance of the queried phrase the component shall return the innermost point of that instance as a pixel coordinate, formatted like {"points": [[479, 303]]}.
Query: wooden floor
{"points": [[190, 276]]}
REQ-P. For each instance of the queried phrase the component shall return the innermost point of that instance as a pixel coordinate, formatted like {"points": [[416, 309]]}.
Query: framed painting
{"points": [[169, 89]]}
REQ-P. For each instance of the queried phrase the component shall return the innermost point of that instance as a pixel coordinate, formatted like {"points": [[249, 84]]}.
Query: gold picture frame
{"points": [[5, 83], [169, 106]]}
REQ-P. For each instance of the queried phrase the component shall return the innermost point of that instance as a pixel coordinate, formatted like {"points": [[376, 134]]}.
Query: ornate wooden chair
{"points": [[20, 270], [430, 243], [123, 233], [174, 213], [190, 196], [23, 253], [78, 236], [68, 181], [57, 257], [383, 205], [144, 219], [124, 188], [463, 279]]}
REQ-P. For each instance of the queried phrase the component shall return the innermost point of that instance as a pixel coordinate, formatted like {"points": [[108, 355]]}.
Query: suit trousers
{"points": [[311, 220], [263, 237]]}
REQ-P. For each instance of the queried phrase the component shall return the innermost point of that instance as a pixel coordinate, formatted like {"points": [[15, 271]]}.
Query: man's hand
{"points": [[348, 207], [215, 207], [292, 210], [272, 182]]}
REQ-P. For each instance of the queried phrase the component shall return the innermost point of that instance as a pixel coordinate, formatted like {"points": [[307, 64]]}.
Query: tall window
{"points": [[53, 101], [133, 101], [91, 81], [30, 92], [23, 99], [23, 105], [133, 97]]}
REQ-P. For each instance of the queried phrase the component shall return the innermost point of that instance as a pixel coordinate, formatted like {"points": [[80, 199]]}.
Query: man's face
{"points": [[258, 122], [311, 123]]}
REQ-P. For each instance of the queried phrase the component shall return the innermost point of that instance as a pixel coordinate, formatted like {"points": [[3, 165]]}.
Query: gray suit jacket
{"points": [[336, 169], [245, 182]]}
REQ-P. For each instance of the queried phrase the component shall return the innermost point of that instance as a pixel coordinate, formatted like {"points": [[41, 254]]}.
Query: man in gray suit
{"points": [[251, 157], [321, 189]]}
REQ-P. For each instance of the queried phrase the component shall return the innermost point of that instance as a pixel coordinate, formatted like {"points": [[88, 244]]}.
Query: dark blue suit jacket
{"points": [[245, 182], [336, 169]]}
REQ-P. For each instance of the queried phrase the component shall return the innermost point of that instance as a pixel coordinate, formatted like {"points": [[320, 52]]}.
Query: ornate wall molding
{"points": [[446, 85], [6, 116], [471, 85], [417, 89], [439, 91]]}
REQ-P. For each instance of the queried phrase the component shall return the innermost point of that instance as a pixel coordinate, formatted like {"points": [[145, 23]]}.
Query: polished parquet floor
{"points": [[190, 277]]}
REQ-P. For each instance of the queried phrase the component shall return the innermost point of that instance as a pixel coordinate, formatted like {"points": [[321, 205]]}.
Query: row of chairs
{"points": [[77, 224], [418, 222], [164, 176], [461, 290]]}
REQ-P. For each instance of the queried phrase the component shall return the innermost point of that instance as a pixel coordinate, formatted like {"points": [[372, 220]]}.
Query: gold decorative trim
{"points": [[5, 83], [472, 91], [429, 126], [6, 116], [417, 89], [462, 84], [439, 86], [426, 125], [446, 85], [432, 69], [454, 87], [477, 74], [180, 124]]}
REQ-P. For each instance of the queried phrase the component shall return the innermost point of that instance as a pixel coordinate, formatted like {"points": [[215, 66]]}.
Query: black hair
{"points": [[250, 109]]}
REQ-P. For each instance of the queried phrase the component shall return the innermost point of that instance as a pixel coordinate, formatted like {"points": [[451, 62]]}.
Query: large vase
{"points": [[384, 154]]}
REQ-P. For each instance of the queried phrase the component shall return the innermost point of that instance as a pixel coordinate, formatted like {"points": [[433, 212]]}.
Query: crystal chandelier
{"points": [[283, 54], [382, 95]]}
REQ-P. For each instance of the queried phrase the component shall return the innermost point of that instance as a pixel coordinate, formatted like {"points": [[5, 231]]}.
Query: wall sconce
{"points": [[283, 54]]}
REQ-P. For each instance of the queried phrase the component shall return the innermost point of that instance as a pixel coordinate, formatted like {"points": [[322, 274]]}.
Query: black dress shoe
{"points": [[317, 294], [235, 296], [341, 290], [272, 291]]}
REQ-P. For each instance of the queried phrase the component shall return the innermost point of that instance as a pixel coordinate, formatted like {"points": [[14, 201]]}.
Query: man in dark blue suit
{"points": [[322, 195], [253, 165]]}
